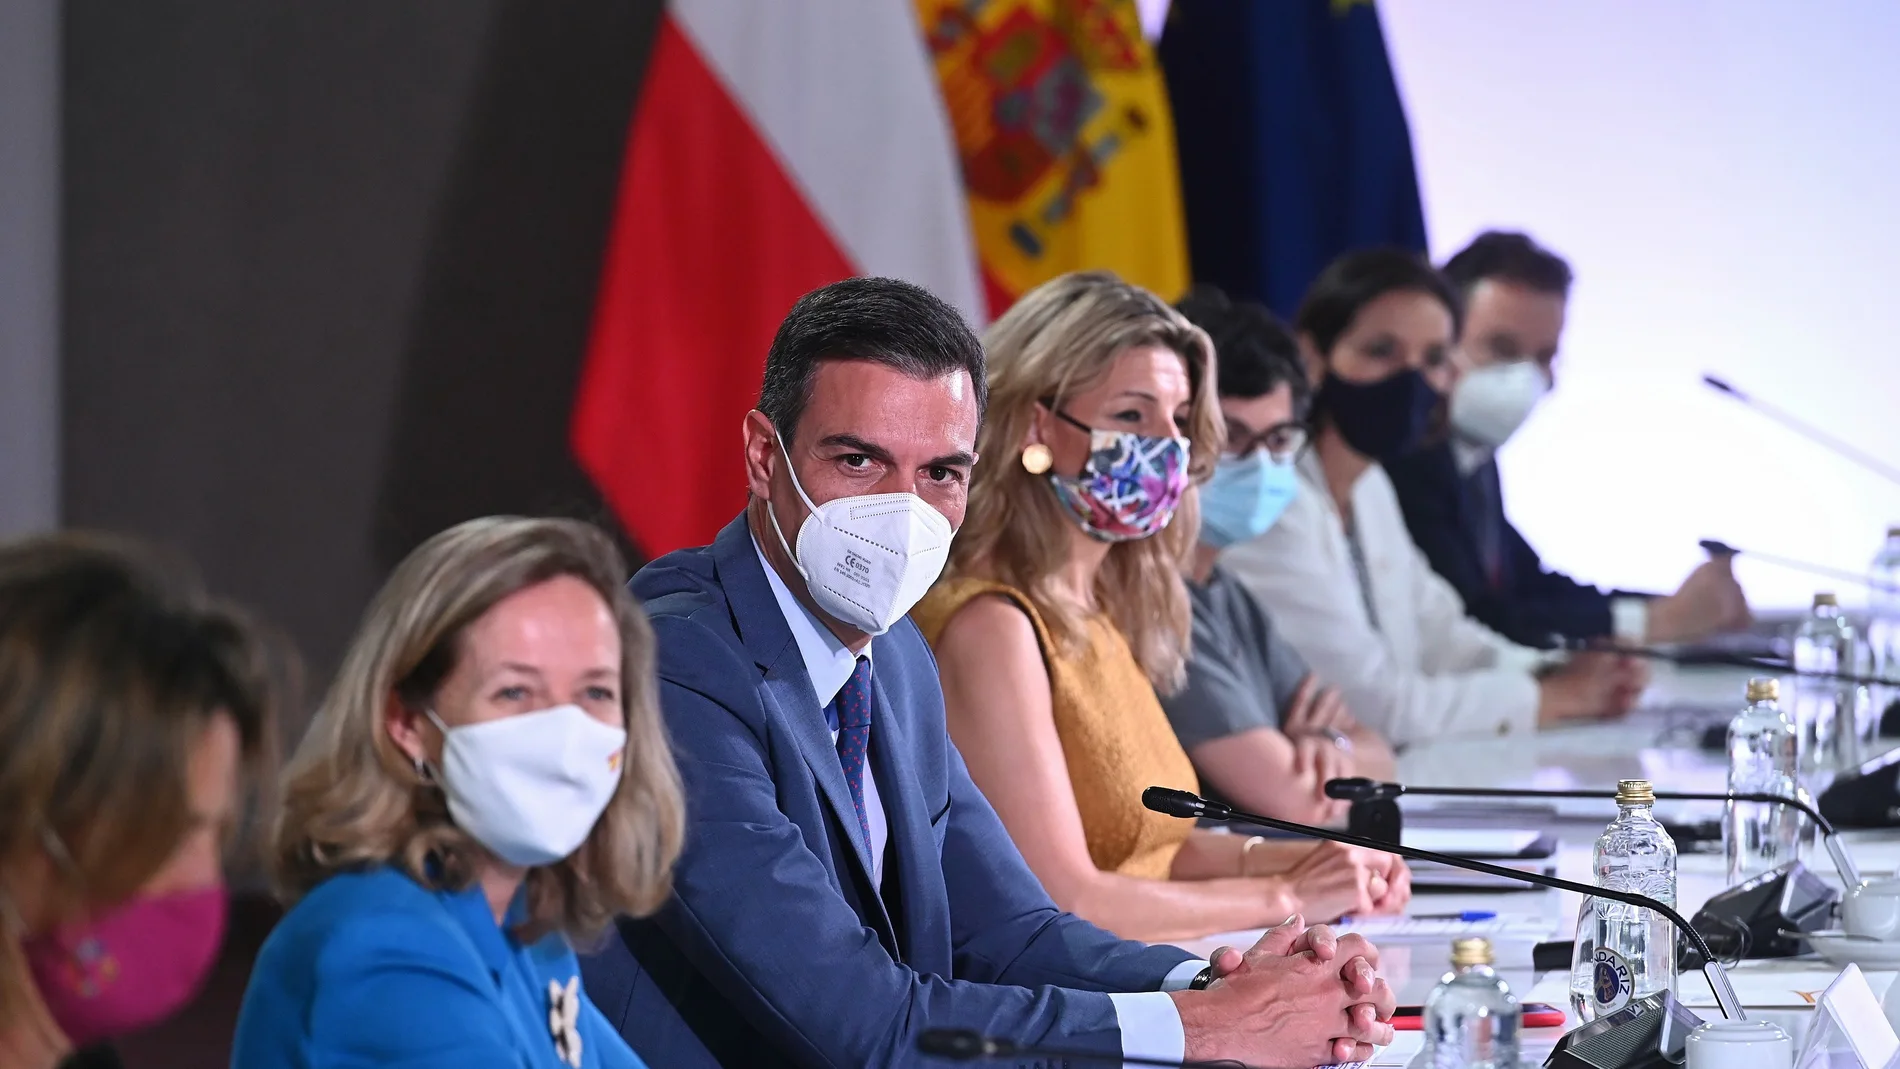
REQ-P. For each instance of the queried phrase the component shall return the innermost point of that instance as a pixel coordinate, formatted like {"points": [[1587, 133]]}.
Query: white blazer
{"points": [[1426, 669]]}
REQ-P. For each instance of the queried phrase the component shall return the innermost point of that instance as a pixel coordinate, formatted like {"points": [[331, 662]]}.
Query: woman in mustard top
{"points": [[1063, 612]]}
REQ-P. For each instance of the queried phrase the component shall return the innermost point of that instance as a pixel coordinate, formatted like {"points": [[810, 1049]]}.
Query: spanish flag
{"points": [[1066, 143]]}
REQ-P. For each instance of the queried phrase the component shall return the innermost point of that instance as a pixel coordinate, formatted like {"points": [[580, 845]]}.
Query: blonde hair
{"points": [[354, 799], [1060, 338], [113, 662]]}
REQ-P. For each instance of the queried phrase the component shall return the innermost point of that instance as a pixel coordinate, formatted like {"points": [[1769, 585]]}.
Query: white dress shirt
{"points": [[1415, 667], [1150, 1025]]}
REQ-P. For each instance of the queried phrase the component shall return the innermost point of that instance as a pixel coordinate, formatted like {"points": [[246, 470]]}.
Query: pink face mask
{"points": [[131, 967]]}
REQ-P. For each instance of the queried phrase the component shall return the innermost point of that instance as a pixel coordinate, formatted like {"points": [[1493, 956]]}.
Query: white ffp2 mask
{"points": [[1490, 404], [530, 787], [867, 560]]}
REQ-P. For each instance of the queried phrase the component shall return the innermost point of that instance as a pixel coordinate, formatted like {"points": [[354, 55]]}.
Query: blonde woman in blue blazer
{"points": [[486, 784]]}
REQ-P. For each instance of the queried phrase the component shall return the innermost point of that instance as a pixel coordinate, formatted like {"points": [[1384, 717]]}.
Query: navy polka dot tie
{"points": [[850, 714]]}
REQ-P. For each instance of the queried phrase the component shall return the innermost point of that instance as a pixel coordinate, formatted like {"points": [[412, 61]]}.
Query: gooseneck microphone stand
{"points": [[1361, 789], [1178, 803]]}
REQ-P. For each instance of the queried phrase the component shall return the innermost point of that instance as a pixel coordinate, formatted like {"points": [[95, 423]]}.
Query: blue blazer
{"points": [[775, 948], [1525, 603], [373, 969]]}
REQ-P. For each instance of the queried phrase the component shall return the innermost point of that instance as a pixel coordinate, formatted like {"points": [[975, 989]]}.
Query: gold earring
{"points": [[1037, 458]]}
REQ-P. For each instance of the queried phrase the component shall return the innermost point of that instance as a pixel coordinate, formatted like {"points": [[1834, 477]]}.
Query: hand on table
{"points": [[1708, 601], [1335, 880], [1635, 680], [1300, 997], [1592, 685]]}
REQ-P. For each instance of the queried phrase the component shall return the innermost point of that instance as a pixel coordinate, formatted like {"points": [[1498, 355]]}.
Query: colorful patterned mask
{"points": [[1128, 488]]}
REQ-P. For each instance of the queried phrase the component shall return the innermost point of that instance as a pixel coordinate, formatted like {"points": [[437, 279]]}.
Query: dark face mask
{"points": [[1381, 419]]}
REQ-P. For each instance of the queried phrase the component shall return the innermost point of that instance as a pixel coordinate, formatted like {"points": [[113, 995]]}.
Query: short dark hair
{"points": [[1253, 351], [1511, 257], [1357, 279], [901, 326]]}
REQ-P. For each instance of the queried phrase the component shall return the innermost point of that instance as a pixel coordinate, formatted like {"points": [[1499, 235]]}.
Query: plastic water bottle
{"points": [[1472, 1019], [1626, 952], [1757, 836], [1883, 625], [1826, 711]]}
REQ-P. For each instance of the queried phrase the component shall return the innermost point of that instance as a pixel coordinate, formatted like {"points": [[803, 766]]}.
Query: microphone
{"points": [[1649, 1033], [969, 1045], [1179, 803], [1708, 657], [1360, 788], [1869, 796], [1787, 898], [1719, 548], [1819, 437]]}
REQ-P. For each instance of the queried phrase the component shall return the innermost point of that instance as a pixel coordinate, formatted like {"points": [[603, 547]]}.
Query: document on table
{"points": [[1522, 928], [1480, 842], [1772, 983], [1516, 848], [1405, 1046], [1429, 877]]}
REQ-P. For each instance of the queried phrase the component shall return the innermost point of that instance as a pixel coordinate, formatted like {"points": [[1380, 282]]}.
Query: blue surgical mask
{"points": [[1245, 496]]}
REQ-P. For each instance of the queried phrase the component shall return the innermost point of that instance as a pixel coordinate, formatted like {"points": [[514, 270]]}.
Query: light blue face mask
{"points": [[1245, 496]]}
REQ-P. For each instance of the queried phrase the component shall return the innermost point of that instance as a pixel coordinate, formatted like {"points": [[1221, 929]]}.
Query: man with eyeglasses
{"points": [[1263, 733]]}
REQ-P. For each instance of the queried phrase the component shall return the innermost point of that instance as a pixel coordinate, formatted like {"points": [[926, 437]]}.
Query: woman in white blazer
{"points": [[1339, 571]]}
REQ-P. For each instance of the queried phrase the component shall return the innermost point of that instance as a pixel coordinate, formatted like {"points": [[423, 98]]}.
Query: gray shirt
{"points": [[1240, 674]]}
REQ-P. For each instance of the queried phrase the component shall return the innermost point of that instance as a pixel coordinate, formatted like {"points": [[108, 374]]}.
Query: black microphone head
{"points": [[1177, 803], [1712, 381], [1355, 788], [960, 1044]]}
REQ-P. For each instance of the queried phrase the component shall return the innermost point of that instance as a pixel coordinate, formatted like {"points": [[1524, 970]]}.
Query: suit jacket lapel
{"points": [[913, 848], [787, 686]]}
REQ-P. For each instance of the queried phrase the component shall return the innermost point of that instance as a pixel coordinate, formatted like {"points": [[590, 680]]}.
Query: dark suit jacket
{"points": [[775, 949], [1526, 603]]}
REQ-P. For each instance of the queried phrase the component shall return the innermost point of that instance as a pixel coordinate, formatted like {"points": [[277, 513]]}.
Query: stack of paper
{"points": [[1515, 848]]}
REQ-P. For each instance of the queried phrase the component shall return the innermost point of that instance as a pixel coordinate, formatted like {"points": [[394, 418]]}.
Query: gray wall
{"points": [[29, 266], [328, 274]]}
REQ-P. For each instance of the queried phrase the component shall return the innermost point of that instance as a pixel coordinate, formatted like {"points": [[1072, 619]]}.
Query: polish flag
{"points": [[776, 146]]}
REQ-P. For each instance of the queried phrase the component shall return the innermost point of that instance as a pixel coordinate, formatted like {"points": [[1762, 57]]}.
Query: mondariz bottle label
{"points": [[1611, 983]]}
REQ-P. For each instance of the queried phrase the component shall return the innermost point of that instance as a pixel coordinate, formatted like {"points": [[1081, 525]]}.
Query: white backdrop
{"points": [[1724, 176]]}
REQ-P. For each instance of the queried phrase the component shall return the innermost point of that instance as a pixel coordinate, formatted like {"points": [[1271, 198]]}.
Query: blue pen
{"points": [[1470, 916]]}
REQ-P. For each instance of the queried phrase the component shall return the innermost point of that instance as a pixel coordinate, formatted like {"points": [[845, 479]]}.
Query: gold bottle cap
{"points": [[1635, 792], [1471, 952], [1764, 690], [1825, 598]]}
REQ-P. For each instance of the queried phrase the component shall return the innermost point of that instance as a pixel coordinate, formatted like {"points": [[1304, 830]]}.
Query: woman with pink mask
{"points": [[136, 720]]}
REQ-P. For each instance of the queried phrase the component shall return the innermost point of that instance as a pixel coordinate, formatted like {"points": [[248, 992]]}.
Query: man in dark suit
{"points": [[1515, 292], [844, 885]]}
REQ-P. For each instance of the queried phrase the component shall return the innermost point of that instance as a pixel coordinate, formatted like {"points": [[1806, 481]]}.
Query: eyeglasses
{"points": [[1282, 441]]}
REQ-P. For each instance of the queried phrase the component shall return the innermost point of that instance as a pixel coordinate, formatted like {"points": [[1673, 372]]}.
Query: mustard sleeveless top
{"points": [[1115, 737]]}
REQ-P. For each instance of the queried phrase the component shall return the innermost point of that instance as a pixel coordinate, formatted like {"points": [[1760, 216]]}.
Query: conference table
{"points": [[1658, 742]]}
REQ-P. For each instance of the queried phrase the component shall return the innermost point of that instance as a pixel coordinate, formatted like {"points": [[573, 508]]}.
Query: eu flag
{"points": [[1293, 141]]}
